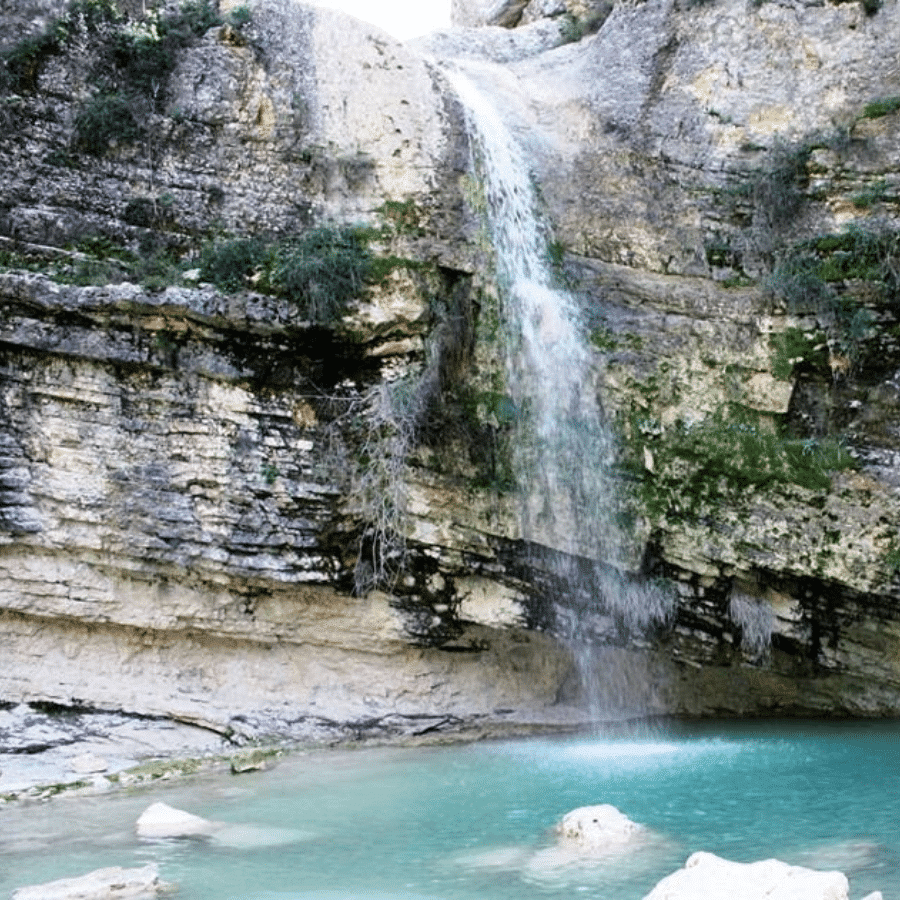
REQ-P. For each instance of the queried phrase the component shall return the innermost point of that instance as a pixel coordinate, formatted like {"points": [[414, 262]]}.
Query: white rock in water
{"points": [[713, 878], [597, 827], [162, 821], [88, 764], [103, 884], [875, 895]]}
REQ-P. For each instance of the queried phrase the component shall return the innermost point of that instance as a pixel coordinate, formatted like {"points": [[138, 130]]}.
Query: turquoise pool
{"points": [[474, 820]]}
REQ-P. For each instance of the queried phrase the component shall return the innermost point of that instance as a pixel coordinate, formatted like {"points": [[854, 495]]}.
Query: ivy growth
{"points": [[883, 106]]}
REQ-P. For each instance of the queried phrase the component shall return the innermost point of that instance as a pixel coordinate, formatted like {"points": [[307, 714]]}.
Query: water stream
{"points": [[563, 450], [473, 822]]}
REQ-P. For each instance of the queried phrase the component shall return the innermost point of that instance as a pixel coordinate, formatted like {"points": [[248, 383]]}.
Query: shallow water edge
{"points": [[46, 751]]}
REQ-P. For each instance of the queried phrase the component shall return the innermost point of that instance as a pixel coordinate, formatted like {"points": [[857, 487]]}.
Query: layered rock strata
{"points": [[184, 527]]}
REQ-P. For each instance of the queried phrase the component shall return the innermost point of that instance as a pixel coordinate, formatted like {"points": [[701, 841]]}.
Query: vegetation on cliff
{"points": [[320, 270]]}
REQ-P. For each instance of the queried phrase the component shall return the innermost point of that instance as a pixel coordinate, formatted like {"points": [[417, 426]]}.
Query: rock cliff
{"points": [[220, 504]]}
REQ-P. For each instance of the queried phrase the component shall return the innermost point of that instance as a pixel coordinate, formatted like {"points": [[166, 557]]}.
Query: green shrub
{"points": [[91, 15], [229, 264], [104, 119], [861, 254], [874, 193], [793, 348], [158, 270], [884, 106], [805, 275], [140, 211], [797, 280], [816, 277], [102, 247], [778, 192], [403, 217], [21, 64], [573, 28], [239, 16], [322, 271], [145, 60]]}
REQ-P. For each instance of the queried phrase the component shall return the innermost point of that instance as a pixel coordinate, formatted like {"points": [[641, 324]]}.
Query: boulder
{"points": [[713, 878], [163, 821], [102, 884], [588, 837], [600, 827]]}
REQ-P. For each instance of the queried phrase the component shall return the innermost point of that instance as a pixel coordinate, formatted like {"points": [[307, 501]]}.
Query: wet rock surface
{"points": [[43, 747]]}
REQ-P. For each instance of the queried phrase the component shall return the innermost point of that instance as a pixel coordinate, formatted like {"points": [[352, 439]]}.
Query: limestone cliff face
{"points": [[186, 488]]}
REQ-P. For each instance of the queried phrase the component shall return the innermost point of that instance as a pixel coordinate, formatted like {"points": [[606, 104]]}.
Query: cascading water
{"points": [[563, 451]]}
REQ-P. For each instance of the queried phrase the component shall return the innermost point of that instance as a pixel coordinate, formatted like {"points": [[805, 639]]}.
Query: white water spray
{"points": [[562, 449]]}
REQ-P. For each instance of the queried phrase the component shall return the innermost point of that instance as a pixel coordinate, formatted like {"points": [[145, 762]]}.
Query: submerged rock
{"points": [[102, 884], [255, 837], [847, 856], [713, 878], [163, 821]]}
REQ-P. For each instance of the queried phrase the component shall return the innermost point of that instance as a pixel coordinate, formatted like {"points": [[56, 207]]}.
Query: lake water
{"points": [[474, 820]]}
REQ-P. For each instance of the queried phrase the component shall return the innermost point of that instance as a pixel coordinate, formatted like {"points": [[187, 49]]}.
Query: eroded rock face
{"points": [[175, 490], [473, 13], [249, 143]]}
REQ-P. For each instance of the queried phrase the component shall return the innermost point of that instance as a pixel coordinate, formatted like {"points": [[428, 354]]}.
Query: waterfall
{"points": [[563, 450]]}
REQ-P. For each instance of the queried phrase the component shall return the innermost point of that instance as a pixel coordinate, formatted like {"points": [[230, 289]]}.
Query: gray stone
{"points": [[88, 764], [474, 13]]}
